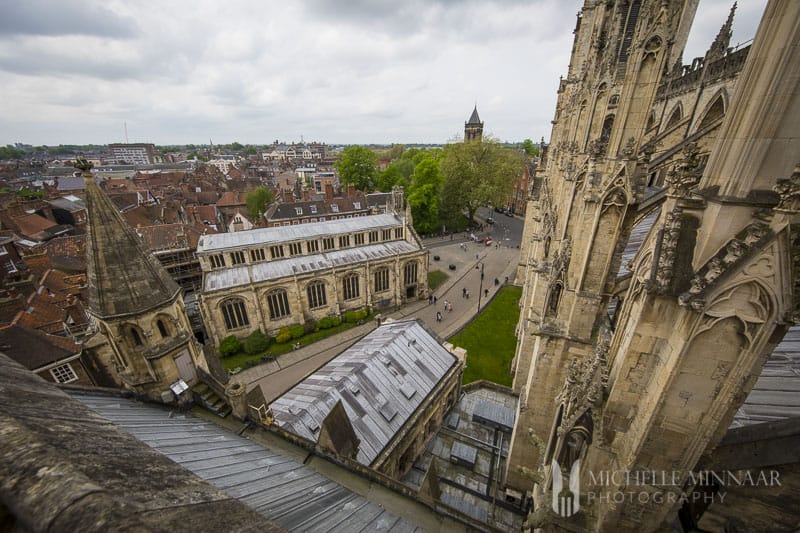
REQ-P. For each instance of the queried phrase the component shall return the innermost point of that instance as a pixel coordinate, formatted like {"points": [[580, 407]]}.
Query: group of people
{"points": [[448, 307]]}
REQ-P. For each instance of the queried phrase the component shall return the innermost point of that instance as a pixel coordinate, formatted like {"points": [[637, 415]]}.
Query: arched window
{"points": [[546, 246], [278, 304], [162, 329], [605, 132], [552, 302], [234, 314], [350, 286], [382, 280], [715, 112], [137, 339], [410, 273], [675, 117], [316, 294]]}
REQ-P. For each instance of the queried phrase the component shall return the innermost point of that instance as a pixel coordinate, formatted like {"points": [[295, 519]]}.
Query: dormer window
{"points": [[335, 208], [357, 205], [313, 210], [298, 210]]}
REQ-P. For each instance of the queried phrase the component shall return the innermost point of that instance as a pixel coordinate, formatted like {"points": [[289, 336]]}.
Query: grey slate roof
{"points": [[474, 118], [776, 394], [381, 380], [638, 235], [267, 236], [494, 415], [304, 264], [278, 487]]}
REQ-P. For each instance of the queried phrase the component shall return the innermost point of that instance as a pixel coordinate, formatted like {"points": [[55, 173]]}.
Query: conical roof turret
{"points": [[124, 277]]}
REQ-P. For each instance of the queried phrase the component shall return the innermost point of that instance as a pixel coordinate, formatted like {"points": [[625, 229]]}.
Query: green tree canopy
{"points": [[424, 196], [10, 152], [397, 173], [531, 149], [356, 165], [257, 202], [477, 173]]}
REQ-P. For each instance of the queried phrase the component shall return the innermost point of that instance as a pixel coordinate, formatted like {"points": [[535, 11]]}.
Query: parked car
{"points": [[487, 241], [490, 220]]}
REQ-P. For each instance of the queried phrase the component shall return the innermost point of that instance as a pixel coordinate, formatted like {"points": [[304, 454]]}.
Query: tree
{"points": [[424, 195], [10, 152], [356, 165], [397, 173], [257, 202], [477, 173], [531, 149]]}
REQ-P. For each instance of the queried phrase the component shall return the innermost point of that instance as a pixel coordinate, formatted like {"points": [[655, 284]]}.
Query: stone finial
{"points": [[719, 47], [82, 164]]}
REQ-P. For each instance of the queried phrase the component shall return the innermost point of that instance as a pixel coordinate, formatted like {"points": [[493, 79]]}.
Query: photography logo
{"points": [[566, 502]]}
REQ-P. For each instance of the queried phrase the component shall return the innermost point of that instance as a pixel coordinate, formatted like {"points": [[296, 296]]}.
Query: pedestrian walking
{"points": [[496, 282], [438, 316], [467, 295], [464, 292], [449, 307], [486, 293], [446, 304], [435, 299]]}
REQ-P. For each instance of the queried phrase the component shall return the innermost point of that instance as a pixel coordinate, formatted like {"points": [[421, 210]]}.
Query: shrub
{"points": [[297, 331], [311, 326], [256, 342], [230, 345], [283, 336], [354, 316], [329, 322]]}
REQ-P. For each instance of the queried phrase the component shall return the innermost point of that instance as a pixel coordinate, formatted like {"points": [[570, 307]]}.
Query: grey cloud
{"points": [[43, 17]]}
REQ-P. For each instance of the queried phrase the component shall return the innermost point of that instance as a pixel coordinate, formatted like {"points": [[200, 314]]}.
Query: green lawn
{"points": [[243, 360], [489, 339], [436, 278]]}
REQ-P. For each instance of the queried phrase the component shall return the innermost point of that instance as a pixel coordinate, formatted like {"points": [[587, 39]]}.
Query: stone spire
{"points": [[474, 118], [124, 277], [720, 45]]}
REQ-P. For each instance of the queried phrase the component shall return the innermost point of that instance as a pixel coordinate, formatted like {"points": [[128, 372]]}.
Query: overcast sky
{"points": [[337, 71]]}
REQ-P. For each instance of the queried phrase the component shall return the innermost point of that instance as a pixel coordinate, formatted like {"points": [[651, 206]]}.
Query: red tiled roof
{"points": [[231, 199], [32, 225]]}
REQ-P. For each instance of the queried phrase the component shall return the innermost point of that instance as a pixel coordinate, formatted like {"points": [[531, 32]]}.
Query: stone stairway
{"points": [[210, 400]]}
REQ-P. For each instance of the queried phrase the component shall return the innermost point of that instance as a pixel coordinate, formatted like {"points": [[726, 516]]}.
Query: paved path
{"points": [[278, 376]]}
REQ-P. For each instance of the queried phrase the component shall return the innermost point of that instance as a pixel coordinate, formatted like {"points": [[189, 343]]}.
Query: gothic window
{"points": [[350, 286], [316, 294], [237, 257], [359, 237], [278, 303], [295, 248], [398, 233], [162, 329], [327, 243], [234, 314], [715, 112], [410, 273], [605, 132], [386, 235], [547, 246], [136, 337], [675, 117], [553, 300], [313, 246], [382, 280], [373, 236], [344, 241]]}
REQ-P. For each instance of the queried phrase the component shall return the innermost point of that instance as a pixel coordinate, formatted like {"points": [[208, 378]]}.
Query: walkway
{"points": [[276, 377]]}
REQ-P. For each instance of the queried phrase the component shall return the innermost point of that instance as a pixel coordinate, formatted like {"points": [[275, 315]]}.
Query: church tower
{"points": [[136, 306], [473, 128]]}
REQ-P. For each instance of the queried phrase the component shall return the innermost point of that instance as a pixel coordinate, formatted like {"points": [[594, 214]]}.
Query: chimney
{"points": [[328, 191], [351, 191], [306, 195]]}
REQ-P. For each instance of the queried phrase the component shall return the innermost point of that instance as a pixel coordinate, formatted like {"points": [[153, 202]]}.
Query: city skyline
{"points": [[78, 72]]}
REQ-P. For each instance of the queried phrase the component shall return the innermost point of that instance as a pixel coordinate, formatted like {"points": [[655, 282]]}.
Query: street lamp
{"points": [[480, 291]]}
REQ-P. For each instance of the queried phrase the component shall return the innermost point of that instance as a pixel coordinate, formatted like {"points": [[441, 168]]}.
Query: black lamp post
{"points": [[480, 291]]}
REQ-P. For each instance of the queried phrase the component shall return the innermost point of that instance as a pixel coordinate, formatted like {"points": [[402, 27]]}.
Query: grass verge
{"points": [[436, 278], [489, 339]]}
